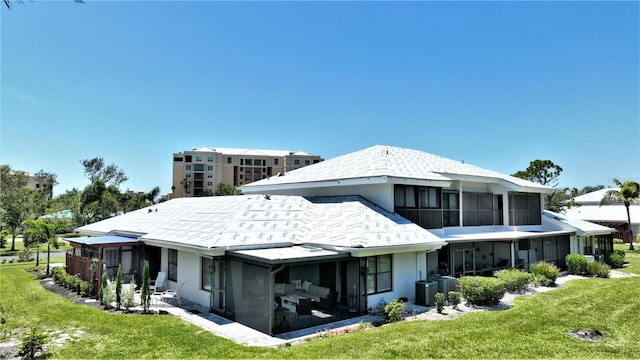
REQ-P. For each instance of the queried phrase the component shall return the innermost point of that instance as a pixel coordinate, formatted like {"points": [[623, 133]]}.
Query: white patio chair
{"points": [[174, 294], [159, 284]]}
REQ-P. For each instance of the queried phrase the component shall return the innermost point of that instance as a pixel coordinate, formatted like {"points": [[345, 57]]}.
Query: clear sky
{"points": [[496, 84]]}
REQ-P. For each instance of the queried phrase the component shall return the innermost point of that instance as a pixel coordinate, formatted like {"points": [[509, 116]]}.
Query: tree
{"points": [[118, 286], [626, 193], [99, 201], [145, 296], [545, 172], [186, 183], [13, 200], [95, 169], [42, 232], [225, 189]]}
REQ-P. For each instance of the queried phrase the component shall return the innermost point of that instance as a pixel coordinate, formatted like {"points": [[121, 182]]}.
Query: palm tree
{"points": [[41, 231], [626, 193], [186, 182]]}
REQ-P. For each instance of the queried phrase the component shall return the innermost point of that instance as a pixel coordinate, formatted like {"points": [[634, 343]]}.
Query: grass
{"points": [[632, 257], [64, 246], [535, 327]]}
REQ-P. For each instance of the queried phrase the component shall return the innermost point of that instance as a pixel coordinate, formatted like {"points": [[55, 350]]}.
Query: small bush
{"points": [[84, 288], [454, 298], [617, 241], [576, 264], [127, 295], [540, 280], [548, 270], [615, 260], [620, 252], [598, 270], [24, 254], [109, 294], [33, 343], [393, 310], [482, 290], [439, 302], [516, 280]]}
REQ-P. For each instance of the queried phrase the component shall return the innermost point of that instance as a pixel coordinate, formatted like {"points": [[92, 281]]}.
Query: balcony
{"points": [[426, 218]]}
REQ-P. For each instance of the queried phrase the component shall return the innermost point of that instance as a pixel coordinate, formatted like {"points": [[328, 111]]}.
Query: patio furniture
{"points": [[174, 294], [304, 307], [159, 283]]}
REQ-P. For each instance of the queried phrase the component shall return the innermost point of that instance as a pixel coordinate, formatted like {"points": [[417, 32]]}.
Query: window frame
{"points": [[205, 278], [172, 265], [374, 273]]}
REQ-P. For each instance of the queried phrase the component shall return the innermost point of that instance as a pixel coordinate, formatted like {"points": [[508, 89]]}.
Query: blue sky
{"points": [[496, 84]]}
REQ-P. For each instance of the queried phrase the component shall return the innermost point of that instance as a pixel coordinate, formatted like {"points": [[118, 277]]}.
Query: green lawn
{"points": [[534, 328], [632, 257], [63, 246]]}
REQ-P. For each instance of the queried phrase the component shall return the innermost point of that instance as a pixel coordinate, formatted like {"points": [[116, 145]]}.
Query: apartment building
{"points": [[199, 171]]}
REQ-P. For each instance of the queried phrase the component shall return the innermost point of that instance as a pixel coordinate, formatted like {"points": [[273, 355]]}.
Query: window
{"points": [[210, 167], [209, 176], [210, 158], [306, 162], [172, 273], [451, 209], [524, 209], [206, 273], [416, 197], [187, 167], [187, 158], [378, 274], [257, 162], [177, 159], [209, 183], [198, 167], [229, 160], [257, 170], [478, 209], [275, 161], [187, 175], [198, 158], [296, 162]]}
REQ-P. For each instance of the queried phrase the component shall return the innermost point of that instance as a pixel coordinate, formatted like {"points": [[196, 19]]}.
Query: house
{"points": [[610, 215], [347, 233], [590, 239], [489, 220], [241, 254]]}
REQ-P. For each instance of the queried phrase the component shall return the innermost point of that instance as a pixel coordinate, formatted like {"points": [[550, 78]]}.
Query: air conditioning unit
{"points": [[446, 284], [590, 258], [426, 292]]}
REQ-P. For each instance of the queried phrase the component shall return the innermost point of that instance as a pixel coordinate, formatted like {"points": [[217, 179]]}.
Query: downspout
{"points": [[271, 294]]}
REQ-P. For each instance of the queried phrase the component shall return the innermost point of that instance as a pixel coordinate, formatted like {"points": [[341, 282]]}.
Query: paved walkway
{"points": [[199, 315]]}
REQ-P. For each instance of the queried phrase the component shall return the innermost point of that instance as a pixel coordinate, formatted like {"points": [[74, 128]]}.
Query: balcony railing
{"points": [[426, 218]]}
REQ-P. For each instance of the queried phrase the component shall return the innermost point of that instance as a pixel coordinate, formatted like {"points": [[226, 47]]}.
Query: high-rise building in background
{"points": [[200, 171]]}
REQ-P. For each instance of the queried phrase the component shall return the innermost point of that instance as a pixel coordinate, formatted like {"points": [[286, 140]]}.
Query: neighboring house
{"points": [[206, 168], [349, 232], [239, 254], [590, 239], [612, 215]]}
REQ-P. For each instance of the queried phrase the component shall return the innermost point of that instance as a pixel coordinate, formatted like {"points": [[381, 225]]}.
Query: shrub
{"points": [[598, 270], [615, 260], [617, 241], [482, 290], [620, 252], [439, 302], [576, 264], [84, 288], [103, 284], [515, 280], [548, 270], [109, 294], [454, 298], [33, 343], [24, 254], [393, 310], [127, 295]]}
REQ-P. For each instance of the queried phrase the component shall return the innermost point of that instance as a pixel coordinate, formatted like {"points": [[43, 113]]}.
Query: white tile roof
{"points": [[582, 227], [593, 197], [252, 221], [615, 213], [389, 161]]}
